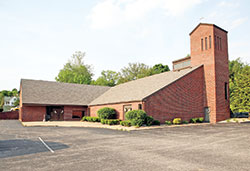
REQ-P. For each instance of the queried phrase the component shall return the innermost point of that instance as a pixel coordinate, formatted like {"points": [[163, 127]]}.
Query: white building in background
{"points": [[9, 103]]}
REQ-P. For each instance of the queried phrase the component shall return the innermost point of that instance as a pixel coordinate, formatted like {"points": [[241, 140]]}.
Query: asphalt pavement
{"points": [[199, 147]]}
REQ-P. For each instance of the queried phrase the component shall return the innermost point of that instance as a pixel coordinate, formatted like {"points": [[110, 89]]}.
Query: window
{"points": [[127, 108], [206, 43], [226, 91], [215, 46], [139, 106], [220, 44], [202, 44], [210, 42]]}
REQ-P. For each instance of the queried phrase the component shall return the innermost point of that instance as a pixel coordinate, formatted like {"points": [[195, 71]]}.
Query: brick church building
{"points": [[198, 86]]}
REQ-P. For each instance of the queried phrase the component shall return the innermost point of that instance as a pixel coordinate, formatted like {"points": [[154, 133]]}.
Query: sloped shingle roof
{"points": [[139, 89], [55, 93]]}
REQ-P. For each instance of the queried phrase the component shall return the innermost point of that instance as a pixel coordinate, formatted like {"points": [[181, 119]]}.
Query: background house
{"points": [[9, 102]]}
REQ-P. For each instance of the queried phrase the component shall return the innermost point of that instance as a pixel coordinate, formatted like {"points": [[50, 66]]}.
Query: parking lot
{"points": [[205, 147]]}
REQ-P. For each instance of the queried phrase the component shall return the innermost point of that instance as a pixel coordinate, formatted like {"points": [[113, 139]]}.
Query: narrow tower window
{"points": [[202, 44], [226, 91], [210, 42], [220, 44], [215, 42], [206, 43]]}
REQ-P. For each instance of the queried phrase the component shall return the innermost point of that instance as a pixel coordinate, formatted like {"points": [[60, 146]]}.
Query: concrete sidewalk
{"points": [[97, 125]]}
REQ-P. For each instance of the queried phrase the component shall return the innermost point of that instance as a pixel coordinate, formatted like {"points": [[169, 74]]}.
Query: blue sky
{"points": [[37, 37]]}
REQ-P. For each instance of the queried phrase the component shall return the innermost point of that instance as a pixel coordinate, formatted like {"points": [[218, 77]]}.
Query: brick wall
{"points": [[118, 107], [181, 99], [68, 111], [32, 113], [9, 115]]}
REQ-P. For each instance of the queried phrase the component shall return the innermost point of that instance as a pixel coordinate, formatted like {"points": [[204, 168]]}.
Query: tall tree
{"points": [[133, 72], [240, 94], [107, 78], [75, 71], [159, 68], [239, 86]]}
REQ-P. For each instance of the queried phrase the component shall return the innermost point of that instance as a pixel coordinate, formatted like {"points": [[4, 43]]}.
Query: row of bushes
{"points": [[177, 121], [91, 119], [110, 121]]}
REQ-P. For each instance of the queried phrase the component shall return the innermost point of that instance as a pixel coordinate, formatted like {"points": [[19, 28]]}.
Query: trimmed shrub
{"points": [[149, 120], [136, 114], [84, 118], [106, 113], [177, 121], [137, 122], [137, 117], [156, 122], [185, 122], [168, 122], [193, 120], [200, 120], [125, 123], [110, 121]]}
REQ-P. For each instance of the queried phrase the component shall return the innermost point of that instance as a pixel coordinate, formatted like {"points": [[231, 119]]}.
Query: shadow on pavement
{"points": [[19, 147]]}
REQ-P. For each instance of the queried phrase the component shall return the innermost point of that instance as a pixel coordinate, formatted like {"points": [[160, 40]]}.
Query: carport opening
{"points": [[54, 113]]}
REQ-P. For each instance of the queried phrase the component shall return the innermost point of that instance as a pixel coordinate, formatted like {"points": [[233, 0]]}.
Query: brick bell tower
{"points": [[209, 47]]}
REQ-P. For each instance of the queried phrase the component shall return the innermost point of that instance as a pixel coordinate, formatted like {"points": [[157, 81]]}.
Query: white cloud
{"points": [[237, 22], [108, 13], [228, 4]]}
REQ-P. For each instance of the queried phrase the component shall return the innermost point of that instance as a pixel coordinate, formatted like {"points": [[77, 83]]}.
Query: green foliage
{"points": [[137, 117], [90, 119], [126, 123], [200, 120], [134, 71], [16, 103], [239, 82], [106, 113], [136, 114], [177, 121], [193, 120], [159, 68], [107, 78], [168, 122], [156, 122], [13, 92], [185, 122], [75, 71], [110, 121], [149, 120], [137, 122]]}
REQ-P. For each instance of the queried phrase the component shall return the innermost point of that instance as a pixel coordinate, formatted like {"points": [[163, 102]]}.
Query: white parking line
{"points": [[45, 145]]}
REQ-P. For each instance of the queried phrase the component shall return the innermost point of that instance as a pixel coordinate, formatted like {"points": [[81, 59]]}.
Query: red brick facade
{"points": [[118, 107], [181, 99], [9, 115]]}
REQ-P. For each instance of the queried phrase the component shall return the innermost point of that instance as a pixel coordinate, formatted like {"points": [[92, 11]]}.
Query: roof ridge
{"points": [[64, 83]]}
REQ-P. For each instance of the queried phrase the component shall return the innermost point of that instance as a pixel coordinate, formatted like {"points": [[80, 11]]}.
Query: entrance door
{"points": [[207, 113], [55, 113]]}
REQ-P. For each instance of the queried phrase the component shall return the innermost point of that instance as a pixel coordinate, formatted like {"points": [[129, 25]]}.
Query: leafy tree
{"points": [[134, 71], [16, 103], [159, 68], [75, 71], [107, 78], [240, 94]]}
